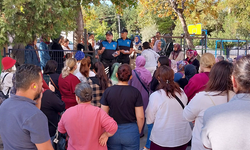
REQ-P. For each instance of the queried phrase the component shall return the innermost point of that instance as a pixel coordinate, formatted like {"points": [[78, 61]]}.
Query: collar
{"points": [[241, 96], [125, 39], [21, 98]]}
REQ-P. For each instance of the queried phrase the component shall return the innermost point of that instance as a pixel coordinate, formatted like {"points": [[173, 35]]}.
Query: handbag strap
{"points": [[179, 101], [3, 81], [53, 82], [4, 77], [141, 82]]}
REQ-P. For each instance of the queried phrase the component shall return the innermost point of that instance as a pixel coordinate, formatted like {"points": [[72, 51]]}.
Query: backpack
{"points": [[2, 95]]}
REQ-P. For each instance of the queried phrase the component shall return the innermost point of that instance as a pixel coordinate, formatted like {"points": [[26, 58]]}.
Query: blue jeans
{"points": [[150, 126], [127, 137]]}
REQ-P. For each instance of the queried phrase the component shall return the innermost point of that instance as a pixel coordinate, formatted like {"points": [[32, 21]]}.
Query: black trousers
{"points": [[108, 63]]}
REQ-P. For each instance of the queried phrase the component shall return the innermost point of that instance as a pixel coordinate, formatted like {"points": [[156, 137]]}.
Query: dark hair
{"points": [[241, 74], [50, 67], [25, 75], [84, 92], [68, 55], [146, 45], [101, 75], [163, 60], [220, 77], [165, 75], [84, 67], [124, 72]]}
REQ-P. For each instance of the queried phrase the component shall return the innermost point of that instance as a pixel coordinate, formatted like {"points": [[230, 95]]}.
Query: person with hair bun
{"points": [[226, 126], [170, 130], [124, 103], [87, 126], [84, 70], [198, 82], [67, 82], [218, 91]]}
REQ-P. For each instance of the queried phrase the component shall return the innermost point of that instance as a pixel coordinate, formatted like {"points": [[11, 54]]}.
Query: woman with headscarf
{"points": [[157, 46], [180, 70], [191, 58], [137, 44], [190, 71], [177, 54], [43, 50]]}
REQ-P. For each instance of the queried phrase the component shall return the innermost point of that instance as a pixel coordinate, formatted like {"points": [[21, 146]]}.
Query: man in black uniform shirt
{"points": [[109, 51], [125, 47]]}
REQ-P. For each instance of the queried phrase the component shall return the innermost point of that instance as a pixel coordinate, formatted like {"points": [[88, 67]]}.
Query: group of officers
{"points": [[111, 51]]}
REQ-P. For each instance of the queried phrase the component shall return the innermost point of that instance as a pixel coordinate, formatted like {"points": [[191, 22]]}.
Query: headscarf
{"points": [[190, 71], [174, 65], [139, 40], [193, 54], [144, 74], [79, 55], [113, 78], [181, 64], [176, 53], [155, 48]]}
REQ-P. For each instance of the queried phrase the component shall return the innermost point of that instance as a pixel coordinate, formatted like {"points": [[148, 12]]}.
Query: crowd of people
{"points": [[80, 101]]}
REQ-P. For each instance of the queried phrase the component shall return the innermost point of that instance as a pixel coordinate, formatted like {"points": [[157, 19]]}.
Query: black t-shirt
{"points": [[122, 100]]}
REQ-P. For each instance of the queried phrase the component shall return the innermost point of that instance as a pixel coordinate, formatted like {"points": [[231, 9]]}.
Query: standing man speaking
{"points": [[125, 47], [108, 51]]}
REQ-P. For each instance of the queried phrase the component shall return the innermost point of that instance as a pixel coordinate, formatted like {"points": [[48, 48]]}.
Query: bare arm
{"points": [[105, 108], [139, 117], [45, 146]]}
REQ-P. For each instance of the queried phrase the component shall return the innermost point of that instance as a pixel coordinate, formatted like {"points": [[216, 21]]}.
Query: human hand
{"points": [[103, 139], [51, 87], [103, 48], [39, 101]]}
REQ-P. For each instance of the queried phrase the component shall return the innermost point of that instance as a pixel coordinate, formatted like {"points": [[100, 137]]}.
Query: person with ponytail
{"points": [[87, 126], [170, 130], [84, 70], [67, 82], [99, 83]]}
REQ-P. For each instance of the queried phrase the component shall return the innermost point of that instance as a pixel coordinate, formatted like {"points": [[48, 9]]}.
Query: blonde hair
{"points": [[207, 60], [69, 66]]}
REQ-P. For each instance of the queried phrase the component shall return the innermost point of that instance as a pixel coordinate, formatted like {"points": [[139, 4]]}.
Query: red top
{"points": [[67, 89], [85, 124], [196, 84]]}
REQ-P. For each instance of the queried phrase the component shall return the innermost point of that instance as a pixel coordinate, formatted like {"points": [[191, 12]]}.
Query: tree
{"points": [[182, 9]]}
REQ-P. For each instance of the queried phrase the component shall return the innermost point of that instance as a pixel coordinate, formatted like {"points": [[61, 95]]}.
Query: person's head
{"points": [[79, 55], [241, 75], [70, 66], [230, 60], [29, 79], [85, 66], [207, 61], [66, 42], [45, 38], [109, 36], [146, 45], [190, 71], [83, 92], [68, 55], [124, 33], [165, 76], [61, 40], [158, 43], [99, 69], [220, 77], [91, 36], [124, 73], [220, 58], [157, 35], [163, 60], [191, 53], [140, 61], [50, 67], [136, 39], [153, 40], [8, 63], [177, 47], [181, 65]]}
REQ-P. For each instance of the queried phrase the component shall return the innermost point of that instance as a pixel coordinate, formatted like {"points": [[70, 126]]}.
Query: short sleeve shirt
{"points": [[110, 48], [22, 124], [124, 45], [122, 100]]}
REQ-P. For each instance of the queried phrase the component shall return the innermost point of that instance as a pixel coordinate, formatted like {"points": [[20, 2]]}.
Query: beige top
{"points": [[179, 57]]}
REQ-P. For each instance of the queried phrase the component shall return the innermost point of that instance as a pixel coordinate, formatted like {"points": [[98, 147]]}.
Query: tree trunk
{"points": [[78, 33], [184, 26]]}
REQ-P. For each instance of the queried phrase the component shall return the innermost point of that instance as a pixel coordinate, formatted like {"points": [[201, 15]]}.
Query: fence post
{"points": [[246, 47], [184, 45], [205, 43], [220, 46], [238, 52]]}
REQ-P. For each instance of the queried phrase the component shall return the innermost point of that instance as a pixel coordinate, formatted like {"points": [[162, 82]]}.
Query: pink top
{"points": [[84, 124], [196, 84]]}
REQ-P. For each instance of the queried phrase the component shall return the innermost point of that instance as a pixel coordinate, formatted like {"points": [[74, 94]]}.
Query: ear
{"points": [[130, 77], [77, 99], [34, 86], [235, 86]]}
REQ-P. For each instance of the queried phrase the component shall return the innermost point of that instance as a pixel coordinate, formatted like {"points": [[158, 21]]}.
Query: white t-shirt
{"points": [[151, 58], [78, 68], [7, 83], [194, 111], [82, 78], [170, 129]]}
